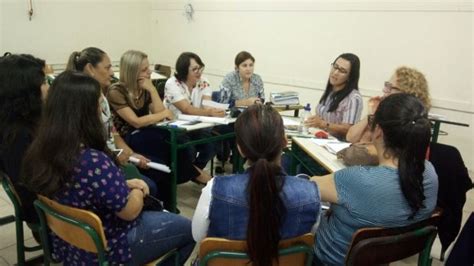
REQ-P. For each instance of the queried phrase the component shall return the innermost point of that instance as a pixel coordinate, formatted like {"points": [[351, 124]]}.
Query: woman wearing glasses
{"points": [[341, 104], [184, 93], [405, 79], [401, 190], [137, 106]]}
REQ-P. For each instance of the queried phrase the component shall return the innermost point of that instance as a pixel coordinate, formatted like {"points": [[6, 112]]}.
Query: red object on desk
{"points": [[321, 134]]}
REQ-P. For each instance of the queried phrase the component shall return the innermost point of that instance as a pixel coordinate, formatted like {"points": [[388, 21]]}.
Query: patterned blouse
{"points": [[176, 91], [231, 88], [119, 98], [348, 111], [99, 186]]}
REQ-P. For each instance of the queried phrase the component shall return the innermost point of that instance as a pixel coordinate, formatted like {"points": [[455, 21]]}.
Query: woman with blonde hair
{"points": [[404, 80], [137, 107]]}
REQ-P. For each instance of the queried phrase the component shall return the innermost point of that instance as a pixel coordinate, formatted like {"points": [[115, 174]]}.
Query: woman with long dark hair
{"points": [[95, 63], [263, 205], [69, 162], [341, 104], [400, 191], [22, 89]]}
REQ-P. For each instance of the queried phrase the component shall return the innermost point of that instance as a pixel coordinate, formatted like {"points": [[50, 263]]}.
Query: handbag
{"points": [[151, 203], [359, 154]]}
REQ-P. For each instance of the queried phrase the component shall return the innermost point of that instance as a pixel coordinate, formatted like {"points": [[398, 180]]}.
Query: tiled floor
{"points": [[188, 195]]}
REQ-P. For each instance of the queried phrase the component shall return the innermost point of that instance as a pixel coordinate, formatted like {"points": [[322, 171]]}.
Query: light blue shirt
{"points": [[368, 197], [231, 88]]}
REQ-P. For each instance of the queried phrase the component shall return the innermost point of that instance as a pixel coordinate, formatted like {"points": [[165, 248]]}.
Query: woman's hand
{"points": [[314, 121], [374, 104], [216, 112], [136, 183], [146, 84], [167, 114], [123, 157], [143, 160], [253, 100]]}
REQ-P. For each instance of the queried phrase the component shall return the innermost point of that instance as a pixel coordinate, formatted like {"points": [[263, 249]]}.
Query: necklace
{"points": [[137, 97]]}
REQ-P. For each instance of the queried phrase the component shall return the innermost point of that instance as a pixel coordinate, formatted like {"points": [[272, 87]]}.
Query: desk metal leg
{"points": [[436, 127], [174, 170], [237, 161], [293, 165]]}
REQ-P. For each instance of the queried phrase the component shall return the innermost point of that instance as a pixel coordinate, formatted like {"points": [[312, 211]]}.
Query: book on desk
{"points": [[285, 98]]}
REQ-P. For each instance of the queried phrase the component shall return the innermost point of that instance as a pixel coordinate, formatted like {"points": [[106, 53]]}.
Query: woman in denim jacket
{"points": [[262, 205]]}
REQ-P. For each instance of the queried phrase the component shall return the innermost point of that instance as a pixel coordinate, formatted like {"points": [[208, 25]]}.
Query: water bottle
{"points": [[306, 114]]}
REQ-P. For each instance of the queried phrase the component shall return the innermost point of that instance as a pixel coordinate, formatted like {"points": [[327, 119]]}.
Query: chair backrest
{"points": [[219, 251], [216, 96], [371, 246], [11, 192], [163, 70], [160, 87], [79, 228]]}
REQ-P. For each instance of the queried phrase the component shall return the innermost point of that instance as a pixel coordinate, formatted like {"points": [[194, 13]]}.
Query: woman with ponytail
{"points": [[69, 162], [401, 190], [262, 205]]}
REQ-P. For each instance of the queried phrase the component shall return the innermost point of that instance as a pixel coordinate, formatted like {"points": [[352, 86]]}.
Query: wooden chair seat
{"points": [[80, 228], [373, 246], [220, 251]]}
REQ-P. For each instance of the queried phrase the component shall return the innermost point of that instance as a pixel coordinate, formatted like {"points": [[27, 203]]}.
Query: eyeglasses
{"points": [[197, 69], [388, 87], [338, 68]]}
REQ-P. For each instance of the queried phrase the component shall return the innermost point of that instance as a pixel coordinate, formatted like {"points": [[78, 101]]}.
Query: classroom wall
{"points": [[59, 27], [294, 43]]}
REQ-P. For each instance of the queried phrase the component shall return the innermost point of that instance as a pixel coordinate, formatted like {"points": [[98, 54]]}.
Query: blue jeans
{"points": [[157, 233], [151, 185]]}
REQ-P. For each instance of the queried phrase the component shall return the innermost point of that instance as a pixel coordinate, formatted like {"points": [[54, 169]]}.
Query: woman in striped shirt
{"points": [[341, 104]]}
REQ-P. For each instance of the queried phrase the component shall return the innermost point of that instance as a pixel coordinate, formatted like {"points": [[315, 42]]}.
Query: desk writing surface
{"points": [[193, 126], [197, 126], [319, 154]]}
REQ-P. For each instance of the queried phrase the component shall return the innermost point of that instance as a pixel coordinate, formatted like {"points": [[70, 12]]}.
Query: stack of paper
{"points": [[153, 165], [213, 104], [206, 119], [335, 147], [285, 98], [331, 144]]}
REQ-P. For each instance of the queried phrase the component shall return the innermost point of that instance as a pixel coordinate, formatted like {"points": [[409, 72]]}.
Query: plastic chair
{"points": [[372, 246], [163, 70], [220, 251], [18, 218], [80, 228], [160, 87]]}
